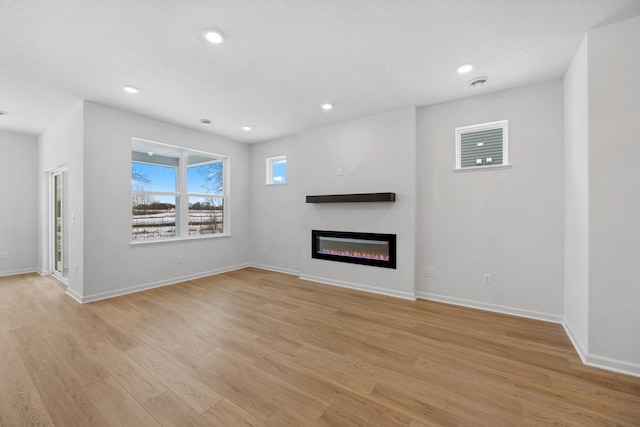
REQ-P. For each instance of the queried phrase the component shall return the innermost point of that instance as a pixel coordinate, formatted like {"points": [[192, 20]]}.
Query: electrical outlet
{"points": [[340, 171], [179, 259], [487, 279], [4, 255], [429, 271]]}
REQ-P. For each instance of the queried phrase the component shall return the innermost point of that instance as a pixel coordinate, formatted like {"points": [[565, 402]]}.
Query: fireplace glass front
{"points": [[378, 250]]}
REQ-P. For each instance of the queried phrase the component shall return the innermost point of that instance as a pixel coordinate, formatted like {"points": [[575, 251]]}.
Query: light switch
{"points": [[340, 171]]}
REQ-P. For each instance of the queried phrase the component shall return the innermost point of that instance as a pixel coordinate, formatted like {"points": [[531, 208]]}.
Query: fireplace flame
{"points": [[355, 254]]}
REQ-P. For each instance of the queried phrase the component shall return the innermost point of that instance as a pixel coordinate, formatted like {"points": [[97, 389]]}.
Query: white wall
{"points": [[614, 193], [576, 200], [275, 216], [62, 145], [382, 149], [18, 192], [112, 265], [508, 222]]}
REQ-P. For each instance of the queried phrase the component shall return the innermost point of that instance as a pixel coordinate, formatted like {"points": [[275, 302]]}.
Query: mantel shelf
{"points": [[351, 198]]}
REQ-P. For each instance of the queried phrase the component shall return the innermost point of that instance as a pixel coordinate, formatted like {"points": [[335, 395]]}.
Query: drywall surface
{"points": [[18, 192], [381, 151], [576, 198], [112, 264], [614, 189], [504, 222], [61, 146], [275, 209]]}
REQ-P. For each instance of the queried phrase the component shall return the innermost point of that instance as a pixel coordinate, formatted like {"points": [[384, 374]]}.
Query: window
{"points": [[482, 146], [277, 170], [176, 192]]}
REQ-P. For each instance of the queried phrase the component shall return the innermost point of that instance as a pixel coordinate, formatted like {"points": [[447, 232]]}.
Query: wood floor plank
{"points": [[8, 350], [226, 413], [237, 389], [132, 377], [258, 348], [116, 406], [171, 411], [67, 405], [20, 401], [33, 349], [197, 394]]}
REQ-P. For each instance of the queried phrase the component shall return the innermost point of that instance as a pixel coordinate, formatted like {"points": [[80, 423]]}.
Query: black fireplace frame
{"points": [[391, 238]]}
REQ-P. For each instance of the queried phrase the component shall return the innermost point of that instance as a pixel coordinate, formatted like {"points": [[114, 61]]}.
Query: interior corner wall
{"points": [[614, 189], [18, 190], [576, 200], [503, 222], [381, 149], [61, 145], [275, 216], [112, 265]]}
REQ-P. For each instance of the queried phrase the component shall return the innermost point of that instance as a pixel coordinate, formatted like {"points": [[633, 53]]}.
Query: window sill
{"points": [[481, 168], [177, 239], [275, 184]]}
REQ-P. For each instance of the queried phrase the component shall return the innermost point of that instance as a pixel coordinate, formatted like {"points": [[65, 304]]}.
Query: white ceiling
{"points": [[281, 58]]}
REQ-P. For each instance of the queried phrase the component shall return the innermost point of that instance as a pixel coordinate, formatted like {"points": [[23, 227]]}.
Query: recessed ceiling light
{"points": [[213, 35], [130, 89], [150, 153], [246, 128], [205, 121], [327, 106], [465, 68], [480, 144], [478, 81]]}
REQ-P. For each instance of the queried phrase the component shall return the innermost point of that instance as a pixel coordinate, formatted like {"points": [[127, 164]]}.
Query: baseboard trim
{"points": [[73, 294], [276, 269], [19, 271], [42, 272], [529, 314], [360, 287], [613, 365], [601, 362], [139, 288], [577, 344]]}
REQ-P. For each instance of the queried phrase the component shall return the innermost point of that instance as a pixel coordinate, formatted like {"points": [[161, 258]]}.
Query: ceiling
{"points": [[281, 59]]}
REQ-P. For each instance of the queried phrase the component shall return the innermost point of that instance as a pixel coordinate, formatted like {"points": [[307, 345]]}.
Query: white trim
{"points": [[73, 294], [42, 272], [276, 269], [181, 193], [19, 271], [613, 365], [481, 168], [360, 287], [143, 287], [269, 169], [530, 314], [504, 124], [601, 362], [60, 279], [577, 344]]}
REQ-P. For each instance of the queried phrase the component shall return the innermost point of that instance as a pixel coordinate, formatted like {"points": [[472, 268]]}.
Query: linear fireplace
{"points": [[373, 249]]}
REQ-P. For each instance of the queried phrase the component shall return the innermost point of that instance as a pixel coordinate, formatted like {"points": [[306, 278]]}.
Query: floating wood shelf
{"points": [[351, 198]]}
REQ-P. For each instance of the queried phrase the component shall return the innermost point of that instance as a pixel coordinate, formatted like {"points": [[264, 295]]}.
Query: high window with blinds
{"points": [[482, 146]]}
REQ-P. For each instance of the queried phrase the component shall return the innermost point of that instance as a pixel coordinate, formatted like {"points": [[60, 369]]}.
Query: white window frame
{"points": [[504, 124], [181, 194], [270, 169]]}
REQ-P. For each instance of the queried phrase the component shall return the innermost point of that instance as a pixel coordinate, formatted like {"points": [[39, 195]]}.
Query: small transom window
{"points": [[276, 170], [482, 146]]}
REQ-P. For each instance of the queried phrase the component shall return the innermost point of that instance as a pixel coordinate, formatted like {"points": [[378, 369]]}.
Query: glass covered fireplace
{"points": [[378, 250]]}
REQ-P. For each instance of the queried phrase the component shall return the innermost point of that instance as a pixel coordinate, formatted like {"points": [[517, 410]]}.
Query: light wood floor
{"points": [[256, 348]]}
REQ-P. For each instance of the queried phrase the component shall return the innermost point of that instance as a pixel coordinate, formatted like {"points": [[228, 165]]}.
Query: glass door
{"points": [[59, 264]]}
